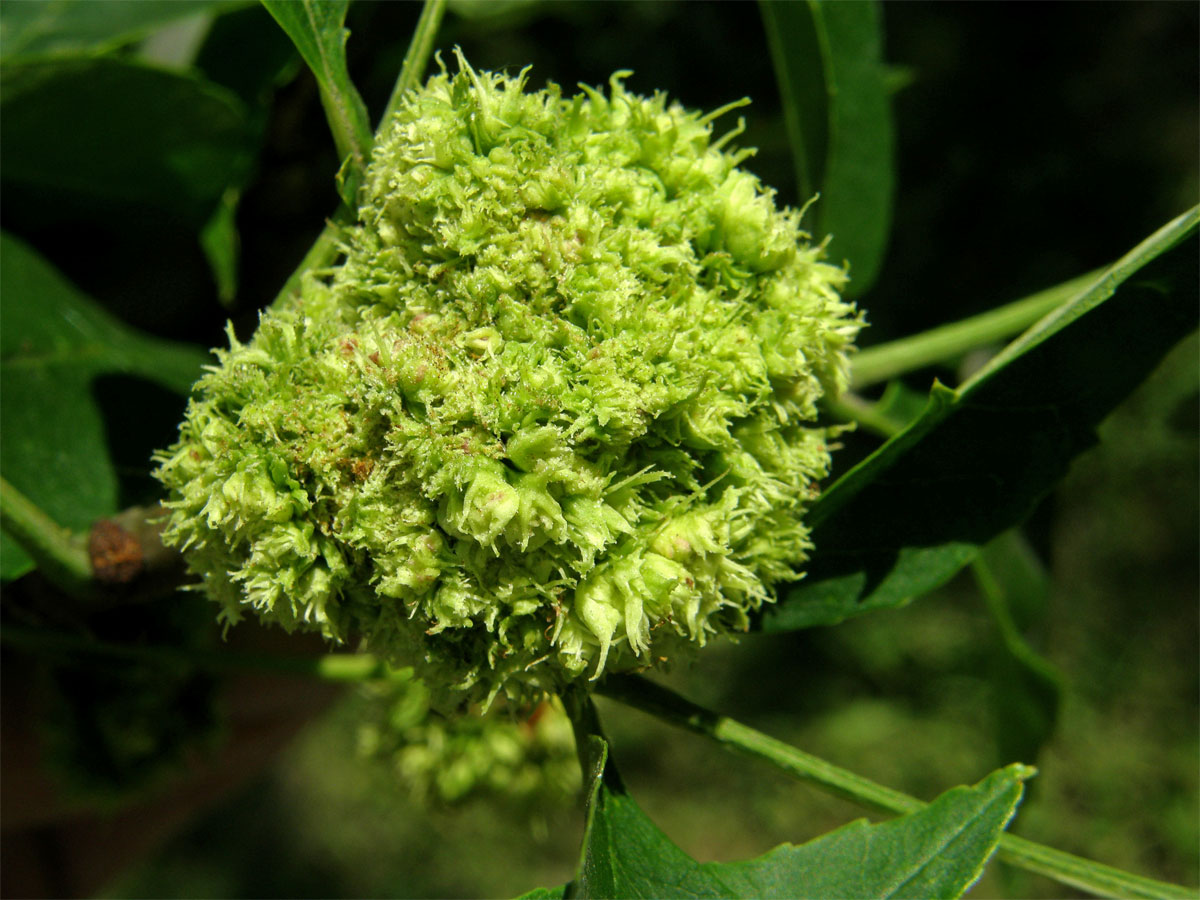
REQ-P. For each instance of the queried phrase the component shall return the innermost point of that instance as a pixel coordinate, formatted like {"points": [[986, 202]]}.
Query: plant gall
{"points": [[553, 415]]}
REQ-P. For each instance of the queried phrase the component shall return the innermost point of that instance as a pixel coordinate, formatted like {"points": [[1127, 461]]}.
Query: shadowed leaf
{"points": [[828, 63], [54, 342], [979, 458]]}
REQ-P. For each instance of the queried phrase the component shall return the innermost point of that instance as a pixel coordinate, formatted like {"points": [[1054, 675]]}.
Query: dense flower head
{"points": [[554, 413], [527, 761]]}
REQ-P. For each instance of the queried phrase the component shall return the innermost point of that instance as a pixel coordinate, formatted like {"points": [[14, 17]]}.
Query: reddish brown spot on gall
{"points": [[359, 468], [540, 710], [115, 554]]}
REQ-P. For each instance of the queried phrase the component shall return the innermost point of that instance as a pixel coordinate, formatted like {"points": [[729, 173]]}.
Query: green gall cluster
{"points": [[554, 414], [528, 761]]}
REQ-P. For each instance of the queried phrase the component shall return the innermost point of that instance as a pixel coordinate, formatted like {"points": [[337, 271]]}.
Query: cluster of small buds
{"points": [[554, 414], [528, 759]]}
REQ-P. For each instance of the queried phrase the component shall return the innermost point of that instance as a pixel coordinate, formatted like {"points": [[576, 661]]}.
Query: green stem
{"points": [[61, 556], [641, 694], [948, 342], [416, 60], [1063, 867], [325, 250], [665, 704], [1093, 877], [850, 407], [323, 253]]}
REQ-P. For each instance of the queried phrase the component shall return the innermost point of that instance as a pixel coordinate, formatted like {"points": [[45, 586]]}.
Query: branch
{"points": [[416, 60], [61, 556], [949, 342], [1096, 878], [327, 247]]}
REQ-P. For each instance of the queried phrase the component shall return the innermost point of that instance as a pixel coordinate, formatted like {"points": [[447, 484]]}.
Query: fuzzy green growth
{"points": [[524, 761], [552, 415]]}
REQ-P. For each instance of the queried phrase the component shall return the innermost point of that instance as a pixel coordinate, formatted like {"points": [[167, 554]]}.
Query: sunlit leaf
{"points": [[624, 853], [938, 851], [317, 29], [556, 893]]}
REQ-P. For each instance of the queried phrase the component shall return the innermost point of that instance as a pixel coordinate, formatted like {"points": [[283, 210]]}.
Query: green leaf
{"points": [[979, 458], [828, 63], [836, 589], [46, 27], [624, 853], [103, 132], [656, 700], [796, 52], [247, 52], [317, 29], [937, 852], [54, 342]]}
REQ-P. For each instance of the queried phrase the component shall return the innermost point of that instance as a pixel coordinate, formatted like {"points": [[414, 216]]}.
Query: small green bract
{"points": [[553, 415]]}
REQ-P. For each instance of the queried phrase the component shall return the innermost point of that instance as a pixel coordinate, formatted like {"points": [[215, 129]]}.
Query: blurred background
{"points": [[1033, 143]]}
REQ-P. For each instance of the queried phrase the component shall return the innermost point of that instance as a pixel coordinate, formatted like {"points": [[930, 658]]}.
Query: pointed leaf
{"points": [[54, 342], [939, 851], [979, 458], [317, 29], [828, 63], [221, 243], [625, 854]]}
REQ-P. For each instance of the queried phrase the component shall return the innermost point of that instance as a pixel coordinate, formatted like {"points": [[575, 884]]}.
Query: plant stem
{"points": [[1063, 867], [1093, 877], [416, 60], [589, 737], [665, 704], [850, 407], [321, 254], [345, 668], [61, 556], [947, 342], [326, 248]]}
